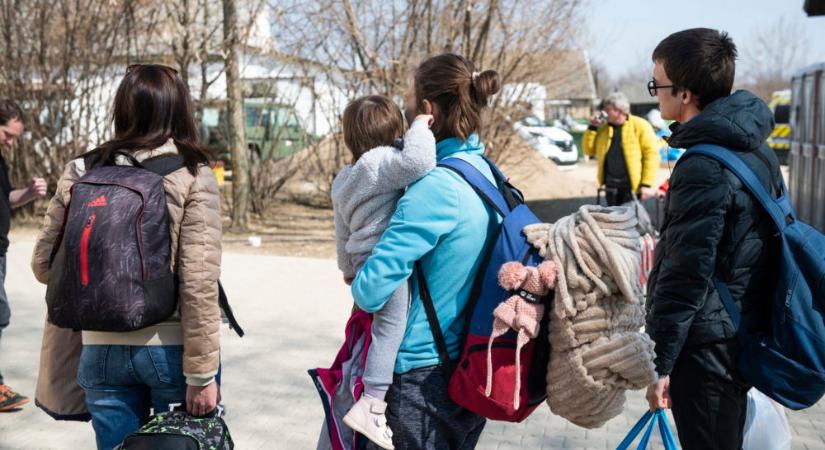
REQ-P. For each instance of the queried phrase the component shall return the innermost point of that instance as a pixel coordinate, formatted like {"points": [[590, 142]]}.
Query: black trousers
{"points": [[709, 397], [617, 196], [422, 416]]}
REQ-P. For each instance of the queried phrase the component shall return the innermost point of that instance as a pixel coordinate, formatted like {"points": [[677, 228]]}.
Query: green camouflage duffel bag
{"points": [[178, 430]]}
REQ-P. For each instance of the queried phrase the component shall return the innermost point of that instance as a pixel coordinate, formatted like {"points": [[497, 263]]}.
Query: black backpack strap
{"points": [[227, 310], [91, 160], [435, 326], [512, 195], [162, 165]]}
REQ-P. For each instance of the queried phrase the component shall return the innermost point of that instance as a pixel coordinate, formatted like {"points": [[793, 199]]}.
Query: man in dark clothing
{"points": [[616, 180], [713, 227], [11, 126], [626, 149]]}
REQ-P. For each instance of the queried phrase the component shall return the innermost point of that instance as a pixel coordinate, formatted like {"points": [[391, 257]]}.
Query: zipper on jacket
{"points": [[84, 250]]}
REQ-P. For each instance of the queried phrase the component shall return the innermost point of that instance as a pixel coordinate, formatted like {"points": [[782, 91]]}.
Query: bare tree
{"points": [[372, 46], [67, 63], [772, 55], [237, 138], [60, 63], [193, 37]]}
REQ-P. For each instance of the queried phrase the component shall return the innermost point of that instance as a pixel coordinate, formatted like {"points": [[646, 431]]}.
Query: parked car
{"points": [[568, 123], [551, 142]]}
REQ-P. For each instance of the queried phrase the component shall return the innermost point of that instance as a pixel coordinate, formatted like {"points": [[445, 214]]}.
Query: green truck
{"points": [[273, 131]]}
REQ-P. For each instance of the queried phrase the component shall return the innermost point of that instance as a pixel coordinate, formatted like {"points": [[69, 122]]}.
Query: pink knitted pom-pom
{"points": [[547, 272], [512, 275]]}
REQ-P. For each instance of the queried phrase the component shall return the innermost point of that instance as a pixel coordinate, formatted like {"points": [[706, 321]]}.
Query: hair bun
{"points": [[485, 84]]}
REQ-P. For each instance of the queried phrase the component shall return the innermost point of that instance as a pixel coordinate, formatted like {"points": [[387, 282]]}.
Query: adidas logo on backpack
{"points": [[100, 201]]}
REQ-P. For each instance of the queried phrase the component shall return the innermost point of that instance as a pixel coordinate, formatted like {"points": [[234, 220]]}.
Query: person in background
{"points": [[11, 127], [626, 148], [666, 152]]}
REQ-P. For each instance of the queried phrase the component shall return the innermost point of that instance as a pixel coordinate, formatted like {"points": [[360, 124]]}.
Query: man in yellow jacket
{"points": [[626, 148]]}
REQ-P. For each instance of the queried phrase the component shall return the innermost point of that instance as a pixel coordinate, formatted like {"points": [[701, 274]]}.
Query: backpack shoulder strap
{"points": [[91, 159], [227, 310], [779, 209], [163, 165], [489, 192], [432, 319], [512, 195]]}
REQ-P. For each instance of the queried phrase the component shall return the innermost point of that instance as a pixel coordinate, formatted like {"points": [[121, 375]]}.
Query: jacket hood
{"points": [[740, 121]]}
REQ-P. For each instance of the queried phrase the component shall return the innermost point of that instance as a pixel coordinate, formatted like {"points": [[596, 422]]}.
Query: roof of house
{"points": [[566, 74], [635, 90]]}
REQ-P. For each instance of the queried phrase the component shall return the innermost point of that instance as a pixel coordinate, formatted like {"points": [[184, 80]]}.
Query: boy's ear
{"points": [[688, 97]]}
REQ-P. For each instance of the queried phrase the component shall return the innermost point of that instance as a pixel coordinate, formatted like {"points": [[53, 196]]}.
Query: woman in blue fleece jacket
{"points": [[441, 222]]}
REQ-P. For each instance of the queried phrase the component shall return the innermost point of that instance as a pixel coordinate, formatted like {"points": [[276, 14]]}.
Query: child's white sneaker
{"points": [[367, 417]]}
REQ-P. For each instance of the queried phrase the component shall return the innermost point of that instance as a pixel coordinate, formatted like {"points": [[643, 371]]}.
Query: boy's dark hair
{"points": [[370, 122], [8, 111], [701, 60]]}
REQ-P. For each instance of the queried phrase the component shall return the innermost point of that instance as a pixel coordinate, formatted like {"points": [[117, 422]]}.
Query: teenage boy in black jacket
{"points": [[713, 227]]}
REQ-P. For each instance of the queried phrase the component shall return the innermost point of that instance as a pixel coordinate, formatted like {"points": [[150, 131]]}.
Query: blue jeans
{"points": [[123, 382]]}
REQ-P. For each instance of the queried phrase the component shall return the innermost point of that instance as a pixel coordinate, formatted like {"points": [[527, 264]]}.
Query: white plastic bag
{"points": [[766, 426]]}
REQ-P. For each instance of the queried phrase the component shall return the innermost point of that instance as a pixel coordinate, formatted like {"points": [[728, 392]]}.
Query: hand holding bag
{"points": [[650, 419]]}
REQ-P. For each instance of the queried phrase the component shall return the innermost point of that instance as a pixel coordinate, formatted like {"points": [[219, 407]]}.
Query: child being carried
{"points": [[364, 197]]}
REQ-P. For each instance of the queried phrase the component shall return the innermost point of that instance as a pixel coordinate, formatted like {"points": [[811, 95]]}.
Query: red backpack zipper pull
{"points": [[84, 250]]}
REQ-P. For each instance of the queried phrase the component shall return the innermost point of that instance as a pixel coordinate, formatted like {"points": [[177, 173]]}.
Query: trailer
{"points": [[807, 157]]}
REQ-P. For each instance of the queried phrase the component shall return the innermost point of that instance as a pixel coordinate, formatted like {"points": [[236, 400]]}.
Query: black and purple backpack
{"points": [[110, 268]]}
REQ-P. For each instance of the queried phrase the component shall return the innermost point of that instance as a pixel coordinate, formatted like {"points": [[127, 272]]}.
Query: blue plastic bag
{"points": [[650, 419]]}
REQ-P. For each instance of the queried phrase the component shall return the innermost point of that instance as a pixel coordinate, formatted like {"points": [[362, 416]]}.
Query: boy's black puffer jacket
{"points": [[713, 225]]}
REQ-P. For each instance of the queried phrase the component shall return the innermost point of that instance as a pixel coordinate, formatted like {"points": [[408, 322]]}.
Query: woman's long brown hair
{"points": [[450, 81], [152, 105]]}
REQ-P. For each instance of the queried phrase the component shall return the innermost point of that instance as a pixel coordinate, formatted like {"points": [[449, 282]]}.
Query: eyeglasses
{"points": [[132, 67], [652, 87]]}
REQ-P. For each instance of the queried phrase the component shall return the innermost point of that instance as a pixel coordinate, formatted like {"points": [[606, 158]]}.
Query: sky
{"points": [[622, 34]]}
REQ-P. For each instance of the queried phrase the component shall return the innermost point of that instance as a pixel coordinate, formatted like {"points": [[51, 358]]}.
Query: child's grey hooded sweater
{"points": [[364, 195]]}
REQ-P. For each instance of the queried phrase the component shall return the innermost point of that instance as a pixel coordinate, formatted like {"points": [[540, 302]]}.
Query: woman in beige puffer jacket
{"points": [[124, 373]]}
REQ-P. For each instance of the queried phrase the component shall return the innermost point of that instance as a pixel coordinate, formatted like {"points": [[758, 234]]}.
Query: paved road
{"points": [[293, 310]]}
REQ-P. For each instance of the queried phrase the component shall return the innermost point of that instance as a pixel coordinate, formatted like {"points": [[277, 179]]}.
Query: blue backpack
{"points": [[787, 363], [468, 379]]}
